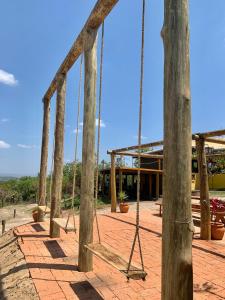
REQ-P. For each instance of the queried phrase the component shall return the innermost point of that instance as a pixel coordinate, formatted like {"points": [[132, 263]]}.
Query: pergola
{"points": [[201, 139], [177, 275]]}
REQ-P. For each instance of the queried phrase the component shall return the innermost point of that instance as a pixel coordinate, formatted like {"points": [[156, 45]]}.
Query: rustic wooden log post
{"points": [[3, 226], [113, 184], [157, 181], [177, 271], [204, 191], [85, 261], [120, 180], [103, 183], [58, 156], [44, 156], [150, 185]]}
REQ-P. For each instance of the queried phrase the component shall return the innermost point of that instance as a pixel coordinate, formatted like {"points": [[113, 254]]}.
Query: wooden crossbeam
{"points": [[141, 170], [135, 154], [148, 145], [195, 137], [215, 141], [97, 16], [212, 133]]}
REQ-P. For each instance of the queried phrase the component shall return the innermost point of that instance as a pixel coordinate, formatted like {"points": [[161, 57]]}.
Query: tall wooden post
{"points": [[150, 185], [120, 181], [44, 152], [103, 183], [177, 272], [157, 181], [113, 184], [85, 261], [58, 156], [204, 191]]}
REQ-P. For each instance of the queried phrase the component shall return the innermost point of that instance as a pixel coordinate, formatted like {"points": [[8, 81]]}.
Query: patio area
{"points": [[53, 262]]}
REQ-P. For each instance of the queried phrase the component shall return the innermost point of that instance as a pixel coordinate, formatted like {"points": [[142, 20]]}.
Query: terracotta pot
{"points": [[35, 216], [217, 231], [124, 207]]}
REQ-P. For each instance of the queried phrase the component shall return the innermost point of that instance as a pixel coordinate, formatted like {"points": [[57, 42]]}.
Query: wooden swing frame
{"points": [[178, 142]]}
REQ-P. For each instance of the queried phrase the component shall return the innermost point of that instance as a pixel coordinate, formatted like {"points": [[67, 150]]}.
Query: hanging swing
{"points": [[98, 249], [61, 222]]}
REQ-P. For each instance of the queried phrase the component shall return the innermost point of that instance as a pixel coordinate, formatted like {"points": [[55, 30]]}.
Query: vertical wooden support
{"points": [[157, 181], [120, 180], [3, 226], [150, 185], [85, 261], [44, 152], [113, 184], [177, 271], [103, 183], [204, 191], [58, 156]]}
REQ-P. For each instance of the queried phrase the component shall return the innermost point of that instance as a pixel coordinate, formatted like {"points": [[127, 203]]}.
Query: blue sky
{"points": [[35, 37]]}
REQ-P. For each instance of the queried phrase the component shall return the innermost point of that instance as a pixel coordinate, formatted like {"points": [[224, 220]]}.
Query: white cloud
{"points": [[4, 120], [26, 146], [7, 78], [102, 124], [75, 130], [4, 145]]}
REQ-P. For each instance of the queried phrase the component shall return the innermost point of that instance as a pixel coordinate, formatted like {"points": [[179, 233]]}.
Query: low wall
{"points": [[216, 182]]}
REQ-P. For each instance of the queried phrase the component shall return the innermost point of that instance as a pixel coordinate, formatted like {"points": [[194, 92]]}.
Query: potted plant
{"points": [[35, 214], [124, 207], [217, 228]]}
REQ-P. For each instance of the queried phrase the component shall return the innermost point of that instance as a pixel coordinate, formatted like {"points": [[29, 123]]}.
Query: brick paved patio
{"points": [[53, 263]]}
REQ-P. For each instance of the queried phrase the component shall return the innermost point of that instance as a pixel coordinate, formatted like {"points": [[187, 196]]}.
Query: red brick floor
{"points": [[52, 263]]}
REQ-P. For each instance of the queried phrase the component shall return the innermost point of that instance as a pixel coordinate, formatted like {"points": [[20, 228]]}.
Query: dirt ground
{"points": [[15, 281], [23, 215]]}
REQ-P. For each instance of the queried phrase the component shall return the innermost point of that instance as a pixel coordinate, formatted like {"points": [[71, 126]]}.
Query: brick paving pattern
{"points": [[53, 262]]}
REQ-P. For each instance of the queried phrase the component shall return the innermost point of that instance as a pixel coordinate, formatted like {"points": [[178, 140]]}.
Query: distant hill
{"points": [[6, 178]]}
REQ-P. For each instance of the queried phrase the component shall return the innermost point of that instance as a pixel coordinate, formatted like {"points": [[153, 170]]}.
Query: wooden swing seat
{"points": [[44, 209], [62, 224], [116, 261]]}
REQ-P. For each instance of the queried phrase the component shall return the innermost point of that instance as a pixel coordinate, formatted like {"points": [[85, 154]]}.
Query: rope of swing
{"points": [[137, 235], [76, 148]]}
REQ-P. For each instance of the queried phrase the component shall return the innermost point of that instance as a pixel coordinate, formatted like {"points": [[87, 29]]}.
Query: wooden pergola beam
{"points": [[97, 16], [135, 154], [148, 145], [215, 141], [212, 133], [195, 137]]}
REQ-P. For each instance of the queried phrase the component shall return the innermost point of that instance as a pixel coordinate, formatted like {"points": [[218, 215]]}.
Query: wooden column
{"points": [[44, 152], [85, 262], [113, 184], [120, 181], [103, 182], [150, 185], [58, 156], [204, 191], [177, 272], [157, 181]]}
